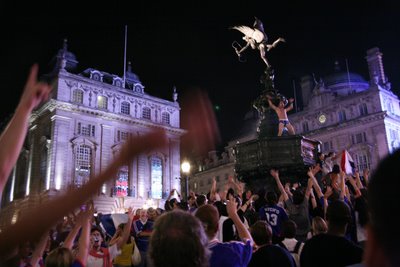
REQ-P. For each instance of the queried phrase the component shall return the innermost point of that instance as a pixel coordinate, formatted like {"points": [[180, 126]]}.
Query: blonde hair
{"points": [[59, 257], [319, 225]]}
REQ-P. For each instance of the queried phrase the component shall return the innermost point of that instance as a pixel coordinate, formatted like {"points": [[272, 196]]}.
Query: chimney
{"points": [[375, 66]]}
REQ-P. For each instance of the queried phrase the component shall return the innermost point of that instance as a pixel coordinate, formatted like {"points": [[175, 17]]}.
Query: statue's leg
{"points": [[290, 129], [280, 129]]}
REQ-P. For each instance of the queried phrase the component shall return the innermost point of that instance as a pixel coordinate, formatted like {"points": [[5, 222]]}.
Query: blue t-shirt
{"points": [[234, 253], [274, 215]]}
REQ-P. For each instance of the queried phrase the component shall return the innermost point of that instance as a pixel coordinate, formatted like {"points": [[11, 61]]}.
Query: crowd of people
{"points": [[336, 219]]}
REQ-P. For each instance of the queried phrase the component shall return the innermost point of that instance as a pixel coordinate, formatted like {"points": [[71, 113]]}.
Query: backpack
{"points": [[294, 252]]}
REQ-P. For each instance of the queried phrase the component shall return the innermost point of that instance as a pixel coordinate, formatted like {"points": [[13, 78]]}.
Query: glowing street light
{"points": [[185, 170]]}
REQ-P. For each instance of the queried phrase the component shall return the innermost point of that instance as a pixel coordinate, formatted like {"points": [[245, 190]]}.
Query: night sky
{"points": [[188, 45]]}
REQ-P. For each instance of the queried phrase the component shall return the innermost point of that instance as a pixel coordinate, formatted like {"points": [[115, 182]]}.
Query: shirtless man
{"points": [[281, 111]]}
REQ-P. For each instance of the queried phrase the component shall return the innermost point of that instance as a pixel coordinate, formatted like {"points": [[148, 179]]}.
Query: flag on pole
{"points": [[346, 163]]}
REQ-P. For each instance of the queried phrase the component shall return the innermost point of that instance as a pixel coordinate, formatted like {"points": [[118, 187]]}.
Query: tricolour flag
{"points": [[346, 162]]}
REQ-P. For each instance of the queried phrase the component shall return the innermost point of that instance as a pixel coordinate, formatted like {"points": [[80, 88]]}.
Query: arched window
{"points": [[125, 108], [77, 96], [146, 113], [82, 164], [362, 161], [165, 118], [156, 177]]}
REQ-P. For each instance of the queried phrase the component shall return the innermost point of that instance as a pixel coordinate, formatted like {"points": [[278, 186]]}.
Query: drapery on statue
{"points": [[255, 38]]}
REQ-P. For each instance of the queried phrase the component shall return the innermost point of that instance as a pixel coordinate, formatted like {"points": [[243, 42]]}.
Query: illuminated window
{"points": [[156, 177], [102, 102], [121, 185], [82, 164], [86, 129], [362, 161]]}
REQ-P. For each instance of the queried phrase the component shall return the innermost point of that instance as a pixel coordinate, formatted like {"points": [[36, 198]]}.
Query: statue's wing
{"points": [[250, 32]]}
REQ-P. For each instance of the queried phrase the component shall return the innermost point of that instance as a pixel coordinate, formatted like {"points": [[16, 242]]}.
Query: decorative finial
{"points": [[175, 95], [129, 66]]}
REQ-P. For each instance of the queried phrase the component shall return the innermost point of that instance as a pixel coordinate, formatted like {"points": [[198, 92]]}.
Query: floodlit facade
{"points": [[79, 130]]}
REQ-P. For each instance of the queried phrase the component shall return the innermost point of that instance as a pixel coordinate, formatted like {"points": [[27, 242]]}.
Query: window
{"points": [[363, 109], [121, 185], [165, 118], [156, 177], [77, 96], [102, 102], [342, 116], [362, 161], [43, 167], [389, 106], [305, 127], [86, 129], [82, 164], [359, 138], [146, 113], [122, 136], [327, 146], [125, 108]]}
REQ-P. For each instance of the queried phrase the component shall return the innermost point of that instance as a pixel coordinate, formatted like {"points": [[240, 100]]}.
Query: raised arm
{"points": [[275, 174], [317, 188], [36, 221], [243, 232], [84, 238], [271, 104], [290, 107], [13, 137]]}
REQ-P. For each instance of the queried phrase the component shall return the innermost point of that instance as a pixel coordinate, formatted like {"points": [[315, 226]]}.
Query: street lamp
{"points": [[185, 170]]}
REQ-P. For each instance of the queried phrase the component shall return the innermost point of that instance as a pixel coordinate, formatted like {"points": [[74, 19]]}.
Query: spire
{"points": [[63, 60], [375, 66]]}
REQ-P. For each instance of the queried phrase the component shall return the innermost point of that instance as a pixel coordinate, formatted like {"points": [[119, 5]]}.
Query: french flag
{"points": [[346, 163]]}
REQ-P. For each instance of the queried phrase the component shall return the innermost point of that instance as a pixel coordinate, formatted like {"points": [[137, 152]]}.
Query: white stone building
{"points": [[344, 111], [77, 132]]}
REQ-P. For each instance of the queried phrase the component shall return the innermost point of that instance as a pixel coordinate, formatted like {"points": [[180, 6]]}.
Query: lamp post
{"points": [[185, 170]]}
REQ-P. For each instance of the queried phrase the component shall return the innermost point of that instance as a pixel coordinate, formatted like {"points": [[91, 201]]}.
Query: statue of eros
{"points": [[255, 38]]}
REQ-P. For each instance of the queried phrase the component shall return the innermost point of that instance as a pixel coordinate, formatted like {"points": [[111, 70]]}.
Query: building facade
{"points": [[342, 110], [79, 130]]}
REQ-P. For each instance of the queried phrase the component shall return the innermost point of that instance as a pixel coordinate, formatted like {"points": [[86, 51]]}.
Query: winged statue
{"points": [[255, 38]]}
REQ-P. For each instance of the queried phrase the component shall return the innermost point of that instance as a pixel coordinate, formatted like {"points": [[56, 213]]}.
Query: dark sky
{"points": [[189, 44]]}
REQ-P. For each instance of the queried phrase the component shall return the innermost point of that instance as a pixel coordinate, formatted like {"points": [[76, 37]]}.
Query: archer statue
{"points": [[255, 38]]}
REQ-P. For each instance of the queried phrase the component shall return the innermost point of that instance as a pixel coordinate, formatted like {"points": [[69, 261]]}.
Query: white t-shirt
{"points": [[98, 262]]}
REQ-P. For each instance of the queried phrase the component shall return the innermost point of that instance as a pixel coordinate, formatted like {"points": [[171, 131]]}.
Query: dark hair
{"points": [[383, 198], [178, 240], [338, 213], [98, 229], [298, 196], [289, 228], [261, 233], [209, 216], [59, 257], [272, 198], [336, 169], [201, 200]]}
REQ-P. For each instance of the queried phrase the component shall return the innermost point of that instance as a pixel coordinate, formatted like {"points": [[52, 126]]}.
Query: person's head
{"points": [[209, 217], [143, 216], [336, 169], [338, 215], [178, 240], [298, 196], [201, 200], [318, 226], [289, 228], [120, 229], [59, 257], [96, 237], [383, 232], [271, 198], [261, 233], [151, 213], [281, 104]]}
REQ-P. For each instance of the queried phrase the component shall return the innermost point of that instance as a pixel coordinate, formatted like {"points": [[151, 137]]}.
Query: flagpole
{"points": [[126, 33], [294, 93]]}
